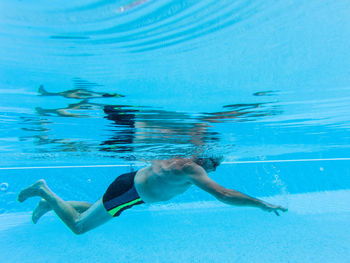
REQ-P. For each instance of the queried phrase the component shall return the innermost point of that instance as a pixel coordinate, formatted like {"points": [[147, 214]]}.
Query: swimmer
{"points": [[161, 181], [78, 94]]}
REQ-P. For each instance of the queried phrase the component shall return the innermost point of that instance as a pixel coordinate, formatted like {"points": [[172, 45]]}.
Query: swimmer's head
{"points": [[209, 163]]}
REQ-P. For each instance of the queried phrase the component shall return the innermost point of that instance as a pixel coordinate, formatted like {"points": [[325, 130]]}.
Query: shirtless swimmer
{"points": [[161, 181]]}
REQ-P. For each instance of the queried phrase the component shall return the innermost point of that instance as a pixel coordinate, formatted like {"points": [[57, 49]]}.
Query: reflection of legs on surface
{"points": [[79, 223], [43, 207]]}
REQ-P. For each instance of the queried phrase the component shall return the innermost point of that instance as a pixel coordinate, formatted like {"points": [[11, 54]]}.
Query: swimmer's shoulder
{"points": [[191, 167]]}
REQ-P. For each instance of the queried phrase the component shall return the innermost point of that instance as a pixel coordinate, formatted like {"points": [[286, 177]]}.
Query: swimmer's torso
{"points": [[162, 180]]}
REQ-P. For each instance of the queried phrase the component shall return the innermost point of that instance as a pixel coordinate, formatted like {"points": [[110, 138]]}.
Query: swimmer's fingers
{"points": [[280, 208], [275, 209]]}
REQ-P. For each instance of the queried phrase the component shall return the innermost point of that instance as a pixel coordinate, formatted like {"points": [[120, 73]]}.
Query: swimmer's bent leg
{"points": [[79, 223], [43, 207]]}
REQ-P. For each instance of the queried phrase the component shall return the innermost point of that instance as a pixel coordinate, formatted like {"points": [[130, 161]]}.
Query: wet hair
{"points": [[216, 160], [202, 161]]}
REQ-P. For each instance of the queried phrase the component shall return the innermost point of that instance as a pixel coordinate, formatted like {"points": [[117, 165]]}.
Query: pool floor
{"points": [[205, 233]]}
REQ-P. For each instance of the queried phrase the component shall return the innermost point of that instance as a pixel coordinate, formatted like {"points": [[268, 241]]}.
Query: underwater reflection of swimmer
{"points": [[79, 94], [82, 93], [71, 110], [140, 127], [159, 182], [242, 112], [266, 93], [61, 145], [123, 116], [136, 128], [245, 111], [149, 126]]}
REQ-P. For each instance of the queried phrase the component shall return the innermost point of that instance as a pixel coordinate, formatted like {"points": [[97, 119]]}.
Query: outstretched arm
{"points": [[199, 177]]}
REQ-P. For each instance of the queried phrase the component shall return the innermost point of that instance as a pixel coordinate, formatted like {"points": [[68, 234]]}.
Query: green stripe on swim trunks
{"points": [[116, 209]]}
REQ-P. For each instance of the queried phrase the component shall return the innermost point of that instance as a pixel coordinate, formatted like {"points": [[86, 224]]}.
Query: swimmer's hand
{"points": [[273, 208]]}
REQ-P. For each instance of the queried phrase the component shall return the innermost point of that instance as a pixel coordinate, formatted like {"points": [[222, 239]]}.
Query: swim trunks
{"points": [[121, 195]]}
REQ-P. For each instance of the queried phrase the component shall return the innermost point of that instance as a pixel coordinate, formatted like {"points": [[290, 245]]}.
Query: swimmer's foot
{"points": [[42, 208], [33, 190]]}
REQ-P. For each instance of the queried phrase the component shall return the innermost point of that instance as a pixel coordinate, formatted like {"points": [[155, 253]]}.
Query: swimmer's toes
{"points": [[41, 209], [35, 217], [23, 195], [20, 197], [30, 191]]}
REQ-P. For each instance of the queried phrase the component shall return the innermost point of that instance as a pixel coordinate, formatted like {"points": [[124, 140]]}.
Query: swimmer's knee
{"points": [[78, 232], [78, 228]]}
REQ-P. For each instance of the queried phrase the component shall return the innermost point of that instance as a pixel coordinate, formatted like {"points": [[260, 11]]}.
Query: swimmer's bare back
{"points": [[165, 179]]}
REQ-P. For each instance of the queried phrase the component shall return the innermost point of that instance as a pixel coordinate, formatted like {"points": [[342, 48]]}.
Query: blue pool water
{"points": [[92, 89], [193, 227]]}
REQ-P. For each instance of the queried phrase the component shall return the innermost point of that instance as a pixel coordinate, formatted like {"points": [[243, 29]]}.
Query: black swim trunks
{"points": [[121, 195]]}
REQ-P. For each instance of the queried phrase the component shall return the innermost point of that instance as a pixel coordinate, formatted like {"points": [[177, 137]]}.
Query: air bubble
{"points": [[4, 187], [321, 169]]}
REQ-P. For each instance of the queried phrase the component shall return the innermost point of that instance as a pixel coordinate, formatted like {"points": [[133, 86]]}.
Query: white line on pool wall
{"points": [[66, 166], [289, 161], [138, 165]]}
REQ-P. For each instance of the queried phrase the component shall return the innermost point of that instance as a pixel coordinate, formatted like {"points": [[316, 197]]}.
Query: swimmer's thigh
{"points": [[95, 216]]}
